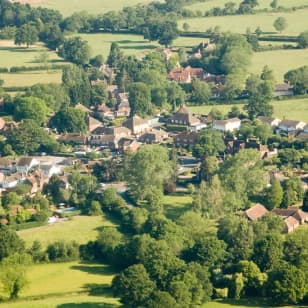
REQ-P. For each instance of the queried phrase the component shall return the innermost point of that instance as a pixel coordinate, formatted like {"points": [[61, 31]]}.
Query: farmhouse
{"points": [[291, 125], [227, 125]]}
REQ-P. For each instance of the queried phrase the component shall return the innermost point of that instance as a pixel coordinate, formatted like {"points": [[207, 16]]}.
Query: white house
{"points": [[291, 125], [197, 127], [50, 170], [228, 125], [25, 164]]}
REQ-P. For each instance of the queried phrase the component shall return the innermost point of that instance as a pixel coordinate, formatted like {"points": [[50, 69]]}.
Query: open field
{"points": [[11, 55], [70, 284], [280, 61], [176, 205], [297, 22], [25, 79], [209, 4], [68, 7], [293, 109], [80, 229]]}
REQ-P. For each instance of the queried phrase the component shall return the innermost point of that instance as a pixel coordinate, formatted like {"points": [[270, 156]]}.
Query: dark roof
{"points": [[289, 123], [134, 121], [24, 161], [255, 212], [283, 87]]}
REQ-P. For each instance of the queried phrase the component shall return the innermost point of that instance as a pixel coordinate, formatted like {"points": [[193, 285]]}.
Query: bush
{"points": [[61, 251], [221, 293]]}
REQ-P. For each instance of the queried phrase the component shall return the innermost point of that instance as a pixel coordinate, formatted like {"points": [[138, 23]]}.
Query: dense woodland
{"points": [[211, 251]]}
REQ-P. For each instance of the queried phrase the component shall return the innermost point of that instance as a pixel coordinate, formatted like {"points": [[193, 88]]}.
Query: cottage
{"points": [[118, 132], [154, 136], [256, 212], [283, 89], [107, 71], [186, 139], [26, 164], [137, 125], [184, 117], [227, 125], [291, 125], [272, 122], [185, 75]]}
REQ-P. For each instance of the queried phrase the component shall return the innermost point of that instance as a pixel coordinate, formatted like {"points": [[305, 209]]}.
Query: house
{"points": [[11, 181], [104, 112], [291, 126], [37, 180], [283, 89], [105, 141], [128, 145], [122, 108], [302, 136], [214, 79], [26, 164], [256, 212], [166, 52], [112, 91], [92, 123], [184, 117], [272, 122], [73, 138], [185, 75], [186, 139], [228, 125], [290, 224], [137, 125], [7, 166], [118, 132], [50, 170], [154, 136]]}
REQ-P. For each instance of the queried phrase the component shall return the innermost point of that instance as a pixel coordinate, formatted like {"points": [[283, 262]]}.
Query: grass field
{"points": [[297, 22], [209, 4], [176, 205], [26, 79], [11, 55], [280, 61], [71, 284], [80, 229], [293, 109]]}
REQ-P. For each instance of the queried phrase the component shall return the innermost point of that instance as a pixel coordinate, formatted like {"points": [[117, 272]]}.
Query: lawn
{"points": [[26, 79], [65, 285], [176, 205], [297, 22], [293, 109], [11, 55], [280, 61], [80, 229], [67, 7]]}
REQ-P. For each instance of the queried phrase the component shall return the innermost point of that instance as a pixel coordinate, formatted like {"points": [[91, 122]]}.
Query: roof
{"points": [[134, 121], [184, 115], [24, 161], [267, 120], [102, 108], [291, 223], [283, 87], [182, 74], [255, 212], [289, 123], [83, 108], [224, 122], [5, 162], [73, 137], [112, 130], [93, 123], [302, 136]]}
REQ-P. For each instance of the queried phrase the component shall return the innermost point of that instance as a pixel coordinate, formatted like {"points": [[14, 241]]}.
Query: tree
{"points": [[293, 192], [201, 92], [305, 202], [140, 99], [146, 172], [70, 120], [302, 39], [99, 93], [280, 24], [77, 84], [75, 50], [30, 108], [97, 61], [263, 132], [13, 273], [274, 195], [274, 4], [161, 299], [298, 78], [115, 56], [26, 34], [286, 285], [175, 95], [185, 26], [29, 137], [10, 243], [133, 286]]}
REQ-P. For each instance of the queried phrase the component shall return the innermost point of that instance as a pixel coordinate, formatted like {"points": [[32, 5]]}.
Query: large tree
{"points": [[303, 39], [26, 34], [280, 24], [274, 195], [298, 78]]}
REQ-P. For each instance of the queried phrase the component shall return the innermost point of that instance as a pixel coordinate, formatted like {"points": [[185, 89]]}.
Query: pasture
{"points": [[80, 229], [280, 61], [66, 285], [292, 109], [297, 22], [68, 7]]}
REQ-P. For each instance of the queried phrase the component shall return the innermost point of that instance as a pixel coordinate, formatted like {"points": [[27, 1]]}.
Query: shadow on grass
{"points": [[98, 269], [19, 49], [87, 305], [250, 302], [138, 47], [96, 289]]}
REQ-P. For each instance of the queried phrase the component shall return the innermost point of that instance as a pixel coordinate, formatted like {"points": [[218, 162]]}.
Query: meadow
{"points": [[292, 109], [68, 7], [297, 22], [80, 229]]}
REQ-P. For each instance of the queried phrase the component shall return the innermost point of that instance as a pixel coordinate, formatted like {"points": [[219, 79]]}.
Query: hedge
{"points": [[16, 69], [29, 225]]}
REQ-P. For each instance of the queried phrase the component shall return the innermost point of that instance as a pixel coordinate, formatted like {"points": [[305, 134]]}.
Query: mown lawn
{"points": [[80, 229], [297, 22], [293, 109], [71, 284], [176, 205]]}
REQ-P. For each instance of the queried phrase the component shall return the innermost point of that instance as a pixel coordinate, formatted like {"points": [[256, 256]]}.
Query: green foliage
{"points": [[26, 34], [201, 92], [280, 24], [13, 273], [298, 78], [95, 209], [70, 120], [293, 192], [115, 56], [303, 39], [61, 251], [75, 50], [274, 195], [305, 202]]}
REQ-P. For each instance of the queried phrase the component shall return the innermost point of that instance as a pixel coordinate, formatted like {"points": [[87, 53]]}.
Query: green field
{"points": [[65, 285], [280, 61], [26, 79], [293, 109], [209, 4], [297, 22], [11, 55], [176, 205], [68, 7], [80, 229]]}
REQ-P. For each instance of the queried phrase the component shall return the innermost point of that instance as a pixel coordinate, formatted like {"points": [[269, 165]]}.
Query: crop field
{"points": [[80, 229], [70, 284], [68, 7], [280, 61], [293, 109], [11, 55], [297, 22], [209, 4], [25, 79]]}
